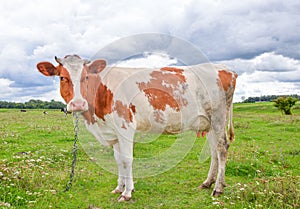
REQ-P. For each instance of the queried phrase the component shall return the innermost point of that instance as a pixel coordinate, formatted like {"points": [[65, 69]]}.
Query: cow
{"points": [[65, 111], [117, 102]]}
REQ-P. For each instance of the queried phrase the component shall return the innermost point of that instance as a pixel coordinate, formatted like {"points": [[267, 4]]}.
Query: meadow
{"points": [[262, 168]]}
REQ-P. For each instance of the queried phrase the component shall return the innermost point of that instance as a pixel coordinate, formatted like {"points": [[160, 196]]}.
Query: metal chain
{"points": [[75, 148]]}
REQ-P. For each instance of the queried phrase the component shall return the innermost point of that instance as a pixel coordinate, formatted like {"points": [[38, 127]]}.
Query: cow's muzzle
{"points": [[77, 106]]}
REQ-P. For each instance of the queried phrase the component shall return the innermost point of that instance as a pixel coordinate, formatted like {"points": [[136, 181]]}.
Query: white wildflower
{"points": [[19, 198]]}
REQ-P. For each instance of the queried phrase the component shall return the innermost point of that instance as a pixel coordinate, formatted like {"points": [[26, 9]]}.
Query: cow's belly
{"points": [[171, 122]]}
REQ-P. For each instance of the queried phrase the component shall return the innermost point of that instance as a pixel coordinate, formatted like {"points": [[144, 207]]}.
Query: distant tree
{"points": [[251, 100], [267, 98], [33, 104], [55, 105], [285, 104]]}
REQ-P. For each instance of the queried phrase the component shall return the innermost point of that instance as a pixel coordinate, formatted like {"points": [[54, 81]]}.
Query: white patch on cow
{"points": [[74, 66], [104, 132]]}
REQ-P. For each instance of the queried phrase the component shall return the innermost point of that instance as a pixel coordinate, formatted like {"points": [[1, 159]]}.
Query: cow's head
{"points": [[74, 73]]}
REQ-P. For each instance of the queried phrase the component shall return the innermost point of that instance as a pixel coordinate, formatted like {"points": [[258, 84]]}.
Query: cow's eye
{"points": [[86, 78], [63, 79]]}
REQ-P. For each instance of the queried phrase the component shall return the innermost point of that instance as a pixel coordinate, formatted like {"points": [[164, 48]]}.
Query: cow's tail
{"points": [[230, 124]]}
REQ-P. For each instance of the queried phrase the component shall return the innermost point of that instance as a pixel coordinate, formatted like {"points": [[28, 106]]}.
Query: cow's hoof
{"points": [[204, 186], [123, 198], [116, 191], [216, 193]]}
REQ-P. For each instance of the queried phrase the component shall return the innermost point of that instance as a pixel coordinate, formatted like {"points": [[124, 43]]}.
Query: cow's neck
{"points": [[100, 100]]}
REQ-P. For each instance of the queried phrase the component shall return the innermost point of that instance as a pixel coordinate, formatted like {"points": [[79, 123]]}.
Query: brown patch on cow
{"points": [[132, 107], [178, 72], [103, 101], [89, 117], [66, 85], [162, 86], [225, 79], [235, 75], [123, 111], [89, 86]]}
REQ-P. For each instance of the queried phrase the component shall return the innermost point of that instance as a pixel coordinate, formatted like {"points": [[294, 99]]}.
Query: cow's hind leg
{"points": [[213, 164], [222, 149]]}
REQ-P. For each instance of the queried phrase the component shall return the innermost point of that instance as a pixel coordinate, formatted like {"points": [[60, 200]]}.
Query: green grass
{"points": [[262, 168]]}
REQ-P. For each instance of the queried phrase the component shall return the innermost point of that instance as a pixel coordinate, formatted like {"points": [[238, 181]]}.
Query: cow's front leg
{"points": [[127, 174], [121, 180], [123, 152]]}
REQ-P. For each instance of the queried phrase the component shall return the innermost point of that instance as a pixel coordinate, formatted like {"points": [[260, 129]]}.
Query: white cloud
{"points": [[150, 61], [266, 74], [5, 90], [276, 62], [248, 87], [269, 61]]}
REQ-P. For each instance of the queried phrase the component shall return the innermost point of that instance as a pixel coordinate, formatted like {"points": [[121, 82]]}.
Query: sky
{"points": [[258, 39]]}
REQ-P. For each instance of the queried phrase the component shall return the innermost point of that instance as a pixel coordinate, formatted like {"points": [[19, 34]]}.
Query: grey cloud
{"points": [[243, 29], [292, 77], [266, 62], [236, 33], [130, 46]]}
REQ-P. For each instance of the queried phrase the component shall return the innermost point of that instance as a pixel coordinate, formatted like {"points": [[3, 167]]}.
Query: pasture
{"points": [[262, 168]]}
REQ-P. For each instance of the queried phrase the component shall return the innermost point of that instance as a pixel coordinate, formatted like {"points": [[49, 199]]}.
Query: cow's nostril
{"points": [[73, 104], [83, 103]]}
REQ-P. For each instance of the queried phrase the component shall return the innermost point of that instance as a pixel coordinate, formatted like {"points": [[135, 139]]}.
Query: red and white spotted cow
{"points": [[117, 102]]}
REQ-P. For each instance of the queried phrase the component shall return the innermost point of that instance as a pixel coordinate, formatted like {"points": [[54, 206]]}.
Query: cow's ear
{"points": [[96, 66], [47, 69]]}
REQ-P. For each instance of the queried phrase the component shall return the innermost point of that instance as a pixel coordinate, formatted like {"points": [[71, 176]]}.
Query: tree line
{"points": [[33, 104], [268, 98], [39, 104]]}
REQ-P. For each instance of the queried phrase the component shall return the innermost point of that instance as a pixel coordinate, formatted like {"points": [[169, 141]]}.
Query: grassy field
{"points": [[262, 168]]}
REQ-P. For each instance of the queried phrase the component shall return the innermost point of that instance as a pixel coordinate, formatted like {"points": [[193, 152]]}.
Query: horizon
{"points": [[286, 95]]}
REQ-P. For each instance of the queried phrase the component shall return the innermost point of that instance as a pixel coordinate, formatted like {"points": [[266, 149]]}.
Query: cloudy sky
{"points": [[260, 40]]}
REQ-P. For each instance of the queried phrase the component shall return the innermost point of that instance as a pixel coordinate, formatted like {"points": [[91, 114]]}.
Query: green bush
{"points": [[285, 104]]}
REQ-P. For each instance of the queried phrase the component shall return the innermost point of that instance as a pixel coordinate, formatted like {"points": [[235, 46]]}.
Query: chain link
{"points": [[75, 148]]}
